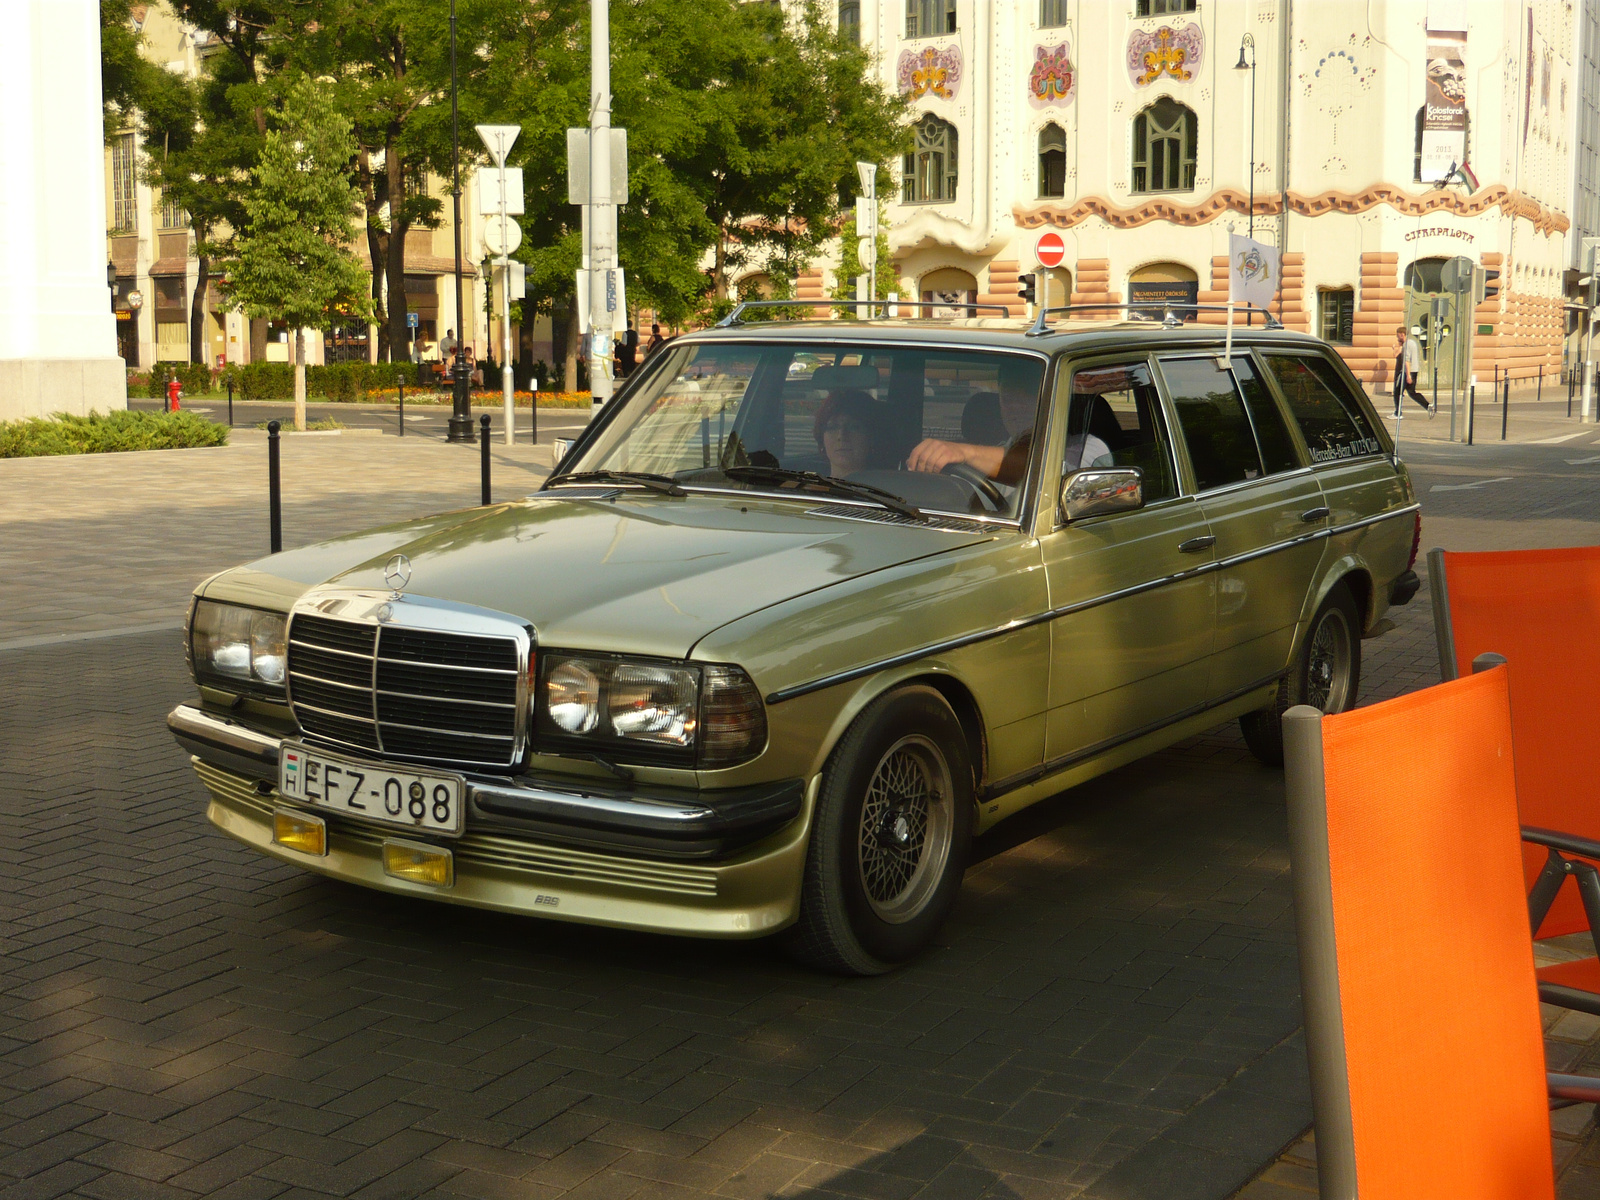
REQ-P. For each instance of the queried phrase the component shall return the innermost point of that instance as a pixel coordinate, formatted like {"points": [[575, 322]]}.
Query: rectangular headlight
{"points": [[238, 647], [649, 711]]}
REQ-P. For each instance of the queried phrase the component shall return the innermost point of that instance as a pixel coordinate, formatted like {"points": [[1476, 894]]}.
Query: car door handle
{"points": [[1316, 514], [1196, 544]]}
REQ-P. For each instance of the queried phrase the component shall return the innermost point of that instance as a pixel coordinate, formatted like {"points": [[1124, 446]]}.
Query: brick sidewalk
{"points": [[109, 541]]}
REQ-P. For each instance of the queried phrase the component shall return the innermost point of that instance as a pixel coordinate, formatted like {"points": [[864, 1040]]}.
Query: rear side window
{"points": [[1216, 429], [1329, 417], [1272, 435]]}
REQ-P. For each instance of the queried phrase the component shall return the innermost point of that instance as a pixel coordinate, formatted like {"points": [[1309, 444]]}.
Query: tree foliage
{"points": [[124, 73], [292, 260], [744, 124]]}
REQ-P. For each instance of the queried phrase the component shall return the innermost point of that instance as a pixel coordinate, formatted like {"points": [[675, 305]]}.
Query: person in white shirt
{"points": [[1407, 362]]}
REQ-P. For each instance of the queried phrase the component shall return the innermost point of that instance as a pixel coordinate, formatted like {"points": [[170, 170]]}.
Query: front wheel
{"points": [[889, 839], [1326, 674]]}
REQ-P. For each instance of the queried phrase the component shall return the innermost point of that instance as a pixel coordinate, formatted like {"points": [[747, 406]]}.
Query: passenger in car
{"points": [[1005, 463], [850, 431]]}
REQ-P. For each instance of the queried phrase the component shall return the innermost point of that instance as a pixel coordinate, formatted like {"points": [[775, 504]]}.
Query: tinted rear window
{"points": [[1329, 417]]}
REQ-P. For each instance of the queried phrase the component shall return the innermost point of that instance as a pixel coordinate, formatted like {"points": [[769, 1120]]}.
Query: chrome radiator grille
{"points": [[449, 698]]}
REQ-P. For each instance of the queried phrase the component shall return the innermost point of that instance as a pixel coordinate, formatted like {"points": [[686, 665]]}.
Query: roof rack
{"points": [[733, 317], [1141, 311]]}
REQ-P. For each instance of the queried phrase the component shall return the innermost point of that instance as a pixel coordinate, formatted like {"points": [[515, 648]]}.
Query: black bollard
{"points": [[1505, 408], [230, 402], [1538, 396], [483, 425], [274, 490], [401, 379], [1472, 406]]}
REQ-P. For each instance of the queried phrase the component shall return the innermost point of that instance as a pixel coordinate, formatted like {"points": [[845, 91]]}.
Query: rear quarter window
{"points": [[1330, 419]]}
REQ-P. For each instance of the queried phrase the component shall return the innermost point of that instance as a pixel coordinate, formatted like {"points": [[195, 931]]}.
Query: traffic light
{"points": [[1025, 288], [1488, 289]]}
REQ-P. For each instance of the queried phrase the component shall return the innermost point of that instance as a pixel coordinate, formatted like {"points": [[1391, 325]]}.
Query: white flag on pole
{"points": [[1252, 272]]}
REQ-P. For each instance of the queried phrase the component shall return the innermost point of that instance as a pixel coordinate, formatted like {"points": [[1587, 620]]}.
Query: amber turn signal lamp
{"points": [[418, 863], [299, 831]]}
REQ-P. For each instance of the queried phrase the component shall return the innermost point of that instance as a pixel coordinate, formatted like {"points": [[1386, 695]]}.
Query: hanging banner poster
{"points": [[1444, 113]]}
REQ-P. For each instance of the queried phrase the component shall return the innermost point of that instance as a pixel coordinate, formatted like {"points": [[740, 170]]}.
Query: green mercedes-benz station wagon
{"points": [[809, 606]]}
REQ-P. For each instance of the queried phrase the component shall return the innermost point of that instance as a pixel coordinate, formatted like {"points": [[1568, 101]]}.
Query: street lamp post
{"points": [[460, 429], [1250, 66]]}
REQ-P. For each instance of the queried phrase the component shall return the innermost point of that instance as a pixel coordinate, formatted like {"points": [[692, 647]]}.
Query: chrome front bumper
{"points": [[661, 822]]}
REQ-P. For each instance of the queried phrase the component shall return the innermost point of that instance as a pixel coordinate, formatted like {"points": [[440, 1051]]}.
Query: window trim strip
{"points": [[968, 639]]}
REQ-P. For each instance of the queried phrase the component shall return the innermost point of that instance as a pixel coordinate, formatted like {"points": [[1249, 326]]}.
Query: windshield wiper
{"points": [[828, 483], [664, 484]]}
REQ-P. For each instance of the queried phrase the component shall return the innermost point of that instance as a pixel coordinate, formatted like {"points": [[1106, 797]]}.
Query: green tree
{"points": [[743, 132], [292, 260], [850, 265], [390, 63], [123, 70]]}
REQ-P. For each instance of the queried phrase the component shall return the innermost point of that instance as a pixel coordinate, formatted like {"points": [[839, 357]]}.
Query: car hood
{"points": [[640, 574]]}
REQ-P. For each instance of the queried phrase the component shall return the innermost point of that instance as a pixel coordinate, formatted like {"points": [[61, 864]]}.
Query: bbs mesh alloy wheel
{"points": [[890, 837]]}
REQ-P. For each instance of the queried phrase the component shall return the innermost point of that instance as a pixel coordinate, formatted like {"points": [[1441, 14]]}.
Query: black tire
{"points": [[1326, 674], [889, 839]]}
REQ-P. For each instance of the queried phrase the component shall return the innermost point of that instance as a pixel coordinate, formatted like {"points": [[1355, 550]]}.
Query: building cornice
{"points": [[1231, 200]]}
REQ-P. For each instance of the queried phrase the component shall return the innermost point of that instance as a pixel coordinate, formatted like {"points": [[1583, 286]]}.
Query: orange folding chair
{"points": [[1404, 841], [1538, 610]]}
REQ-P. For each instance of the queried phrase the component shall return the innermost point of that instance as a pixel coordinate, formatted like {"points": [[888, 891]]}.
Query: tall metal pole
{"points": [[1251, 42], [460, 429], [602, 214]]}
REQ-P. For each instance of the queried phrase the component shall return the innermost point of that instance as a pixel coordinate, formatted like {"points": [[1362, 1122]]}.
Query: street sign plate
{"points": [[501, 235], [489, 186], [1456, 274], [578, 166], [498, 140], [413, 320], [1051, 250]]}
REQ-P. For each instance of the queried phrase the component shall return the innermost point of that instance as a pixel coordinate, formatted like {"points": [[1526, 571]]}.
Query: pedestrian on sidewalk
{"points": [[1407, 362]]}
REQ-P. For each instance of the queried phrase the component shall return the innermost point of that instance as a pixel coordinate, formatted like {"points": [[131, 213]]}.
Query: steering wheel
{"points": [[979, 482]]}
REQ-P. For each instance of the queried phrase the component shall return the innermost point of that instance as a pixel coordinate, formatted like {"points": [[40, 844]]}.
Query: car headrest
{"points": [[980, 420], [832, 379]]}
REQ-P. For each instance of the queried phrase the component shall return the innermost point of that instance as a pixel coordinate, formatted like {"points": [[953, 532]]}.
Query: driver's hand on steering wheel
{"points": [[932, 455]]}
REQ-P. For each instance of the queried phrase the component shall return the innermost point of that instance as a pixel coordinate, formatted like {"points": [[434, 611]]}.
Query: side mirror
{"points": [[1096, 492]]}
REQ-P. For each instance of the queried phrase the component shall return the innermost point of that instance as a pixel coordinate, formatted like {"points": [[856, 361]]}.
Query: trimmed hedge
{"points": [[336, 381], [195, 379], [101, 434]]}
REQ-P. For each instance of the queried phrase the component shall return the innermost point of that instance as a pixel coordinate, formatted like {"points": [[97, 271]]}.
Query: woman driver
{"points": [[849, 430]]}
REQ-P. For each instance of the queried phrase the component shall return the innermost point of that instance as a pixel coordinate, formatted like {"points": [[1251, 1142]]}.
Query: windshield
{"points": [[945, 430]]}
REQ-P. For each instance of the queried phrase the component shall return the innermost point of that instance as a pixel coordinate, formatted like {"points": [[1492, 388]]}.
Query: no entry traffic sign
{"points": [[1051, 250]]}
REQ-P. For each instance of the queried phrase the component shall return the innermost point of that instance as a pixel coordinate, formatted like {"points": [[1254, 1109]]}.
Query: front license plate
{"points": [[370, 790]]}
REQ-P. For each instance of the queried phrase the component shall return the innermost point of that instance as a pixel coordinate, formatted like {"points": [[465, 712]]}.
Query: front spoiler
{"points": [[751, 894], [661, 822]]}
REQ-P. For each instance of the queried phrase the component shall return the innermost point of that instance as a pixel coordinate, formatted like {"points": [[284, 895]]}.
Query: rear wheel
{"points": [[1326, 675], [890, 837]]}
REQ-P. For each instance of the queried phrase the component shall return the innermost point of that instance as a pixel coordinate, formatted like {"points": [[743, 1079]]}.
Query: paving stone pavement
{"points": [[1112, 1012], [96, 542]]}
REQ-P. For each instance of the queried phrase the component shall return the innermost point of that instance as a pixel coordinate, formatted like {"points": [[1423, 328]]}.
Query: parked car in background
{"points": [[807, 608]]}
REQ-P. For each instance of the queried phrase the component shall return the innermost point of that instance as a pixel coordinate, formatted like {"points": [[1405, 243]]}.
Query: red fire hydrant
{"points": [[172, 395]]}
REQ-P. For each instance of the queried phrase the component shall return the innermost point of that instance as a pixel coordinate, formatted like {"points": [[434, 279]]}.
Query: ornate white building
{"points": [[1142, 130]]}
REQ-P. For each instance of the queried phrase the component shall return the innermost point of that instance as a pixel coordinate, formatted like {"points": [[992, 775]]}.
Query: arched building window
{"points": [[1052, 160], [929, 171], [850, 20], [1052, 13], [947, 286], [1164, 137]]}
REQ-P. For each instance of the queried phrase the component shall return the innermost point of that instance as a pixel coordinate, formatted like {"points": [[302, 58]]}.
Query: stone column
{"points": [[58, 341]]}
